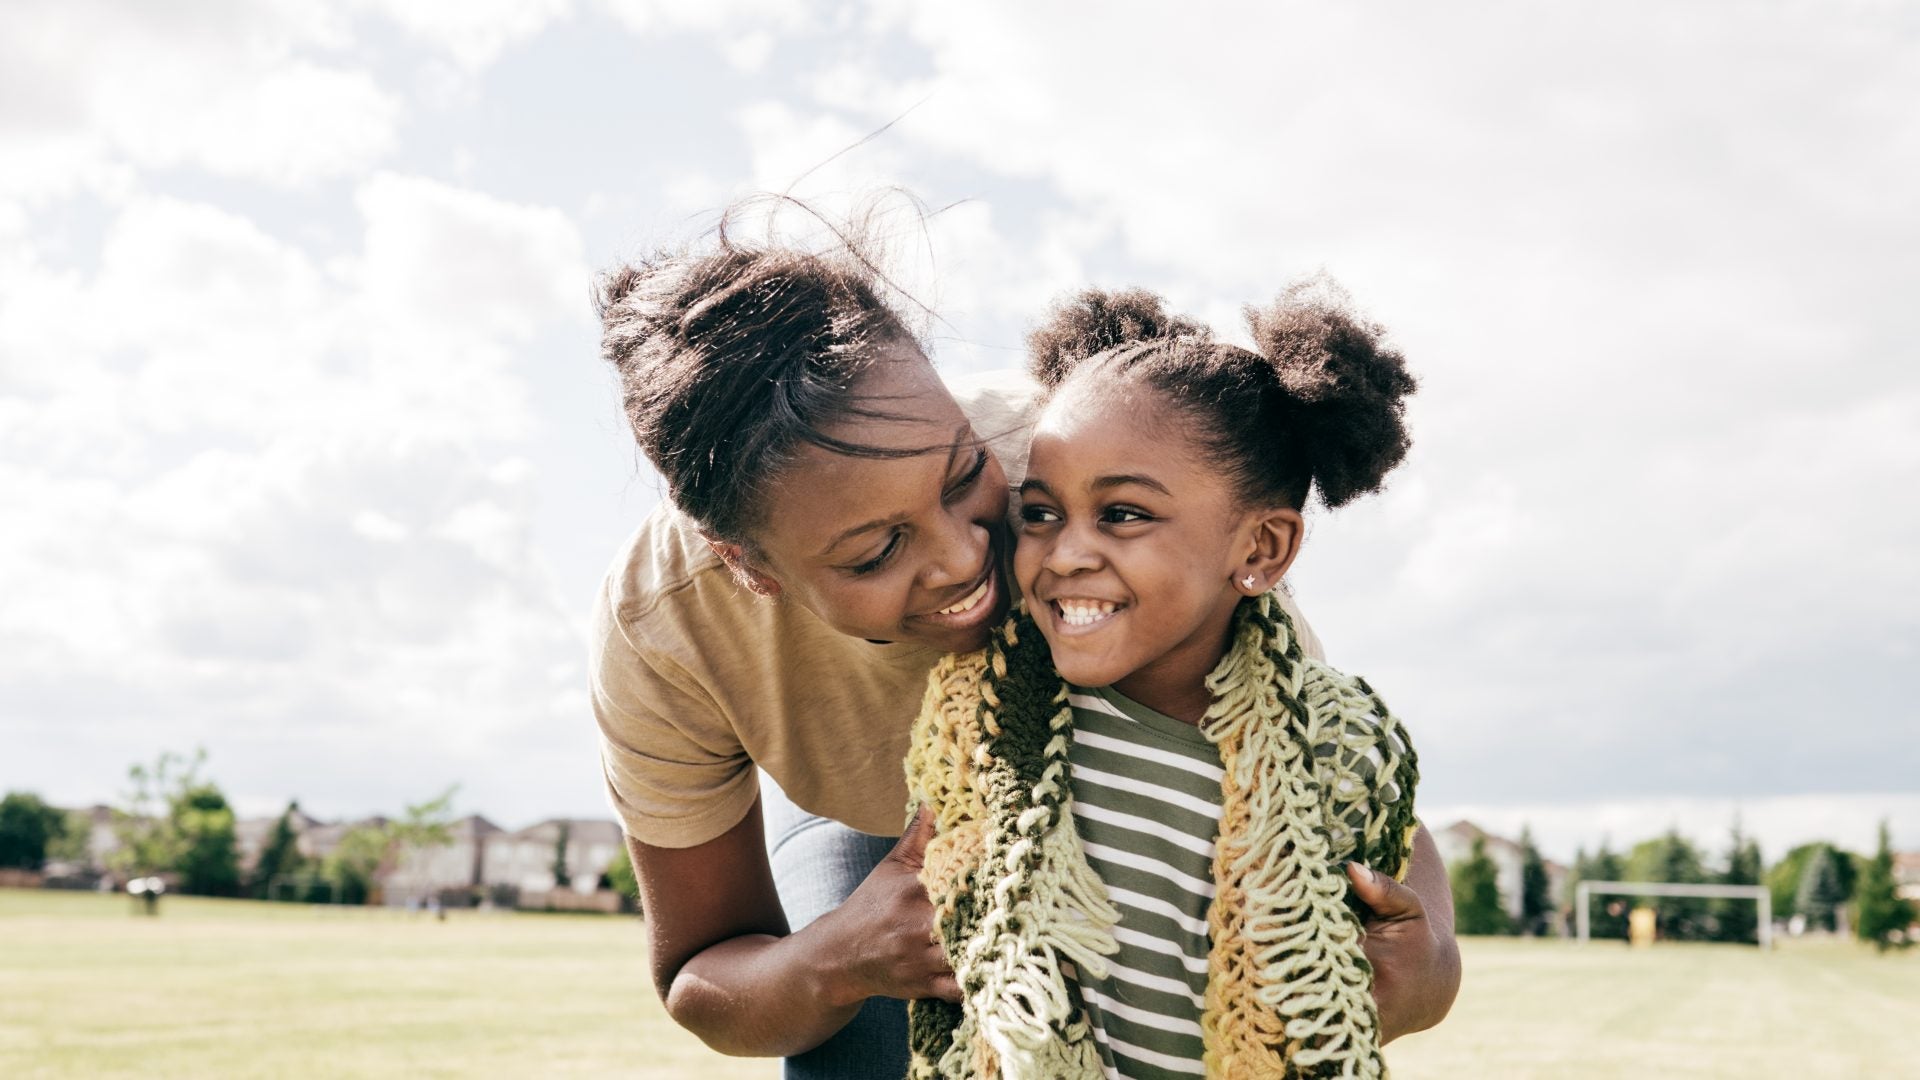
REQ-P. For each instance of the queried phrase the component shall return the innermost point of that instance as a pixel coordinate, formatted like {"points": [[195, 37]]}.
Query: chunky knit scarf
{"points": [[1288, 986]]}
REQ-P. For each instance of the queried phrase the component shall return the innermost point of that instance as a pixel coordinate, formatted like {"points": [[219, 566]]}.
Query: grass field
{"points": [[230, 988]]}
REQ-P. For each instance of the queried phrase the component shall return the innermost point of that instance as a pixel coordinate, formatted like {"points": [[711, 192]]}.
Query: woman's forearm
{"points": [[762, 996], [729, 971]]}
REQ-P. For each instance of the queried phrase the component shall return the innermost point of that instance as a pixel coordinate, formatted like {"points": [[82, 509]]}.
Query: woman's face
{"points": [[902, 549]]}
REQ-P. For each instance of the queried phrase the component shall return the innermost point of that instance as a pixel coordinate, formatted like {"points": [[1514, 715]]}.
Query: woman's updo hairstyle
{"points": [[1320, 406], [731, 359]]}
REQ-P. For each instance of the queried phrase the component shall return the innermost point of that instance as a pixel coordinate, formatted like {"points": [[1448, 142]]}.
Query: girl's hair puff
{"points": [[1319, 406]]}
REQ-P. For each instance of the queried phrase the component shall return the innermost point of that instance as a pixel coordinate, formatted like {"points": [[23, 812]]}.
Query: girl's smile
{"points": [[1131, 546]]}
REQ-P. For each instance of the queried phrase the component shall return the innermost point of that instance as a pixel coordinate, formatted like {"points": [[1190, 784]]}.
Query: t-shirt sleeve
{"points": [[677, 774]]}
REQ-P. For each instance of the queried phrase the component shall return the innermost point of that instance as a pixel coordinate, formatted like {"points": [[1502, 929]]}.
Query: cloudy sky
{"points": [[306, 455]]}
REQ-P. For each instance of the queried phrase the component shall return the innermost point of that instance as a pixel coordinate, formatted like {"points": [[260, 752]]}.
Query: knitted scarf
{"points": [[1289, 990]]}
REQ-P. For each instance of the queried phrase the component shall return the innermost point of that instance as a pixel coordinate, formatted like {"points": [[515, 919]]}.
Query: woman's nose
{"points": [[963, 551]]}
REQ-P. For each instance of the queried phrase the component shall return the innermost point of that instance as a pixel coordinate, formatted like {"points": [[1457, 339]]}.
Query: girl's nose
{"points": [[1071, 552]]}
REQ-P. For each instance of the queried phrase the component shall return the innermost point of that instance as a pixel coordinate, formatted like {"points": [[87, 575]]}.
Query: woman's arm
{"points": [[1409, 942], [730, 972]]}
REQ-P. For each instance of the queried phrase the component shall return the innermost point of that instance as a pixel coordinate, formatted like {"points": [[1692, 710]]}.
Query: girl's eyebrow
{"points": [[1102, 484], [1130, 478]]}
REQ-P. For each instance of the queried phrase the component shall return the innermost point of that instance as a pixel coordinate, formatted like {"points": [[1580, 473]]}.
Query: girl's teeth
{"points": [[1085, 612], [973, 598]]}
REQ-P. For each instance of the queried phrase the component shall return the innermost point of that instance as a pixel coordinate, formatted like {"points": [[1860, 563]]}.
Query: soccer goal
{"points": [[1587, 890]]}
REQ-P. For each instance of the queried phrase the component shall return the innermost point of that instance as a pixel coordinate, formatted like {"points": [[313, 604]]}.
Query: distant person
{"points": [[1146, 791], [838, 523]]}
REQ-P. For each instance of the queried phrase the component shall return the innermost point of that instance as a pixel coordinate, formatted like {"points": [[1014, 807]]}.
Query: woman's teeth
{"points": [[1085, 612], [966, 605]]}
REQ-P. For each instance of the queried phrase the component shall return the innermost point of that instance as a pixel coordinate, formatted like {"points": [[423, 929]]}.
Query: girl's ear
{"points": [[1273, 539], [744, 572]]}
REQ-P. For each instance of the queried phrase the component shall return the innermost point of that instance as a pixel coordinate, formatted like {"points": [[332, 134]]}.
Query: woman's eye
{"points": [[879, 560], [973, 473]]}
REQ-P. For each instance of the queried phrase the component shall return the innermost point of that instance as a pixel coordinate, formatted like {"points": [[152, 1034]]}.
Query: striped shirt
{"points": [[1146, 801]]}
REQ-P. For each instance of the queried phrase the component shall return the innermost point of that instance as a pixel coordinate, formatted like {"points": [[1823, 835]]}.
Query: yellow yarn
{"points": [[1289, 988]]}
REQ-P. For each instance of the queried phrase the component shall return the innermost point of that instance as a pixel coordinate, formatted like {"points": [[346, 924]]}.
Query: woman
{"points": [[837, 523]]}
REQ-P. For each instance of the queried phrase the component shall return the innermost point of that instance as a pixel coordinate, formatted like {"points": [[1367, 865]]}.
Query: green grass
{"points": [[230, 988]]}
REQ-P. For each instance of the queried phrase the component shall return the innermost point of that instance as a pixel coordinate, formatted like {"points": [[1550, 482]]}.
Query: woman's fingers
{"points": [[946, 988], [1387, 900]]}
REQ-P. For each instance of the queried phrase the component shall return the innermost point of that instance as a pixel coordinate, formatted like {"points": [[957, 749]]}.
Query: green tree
{"points": [[149, 838], [1608, 919], [74, 843], [280, 857], [355, 865], [1477, 905], [1822, 890], [209, 858], [1784, 879], [27, 826], [1734, 919], [1672, 859], [621, 878], [561, 879], [1536, 900], [1884, 916]]}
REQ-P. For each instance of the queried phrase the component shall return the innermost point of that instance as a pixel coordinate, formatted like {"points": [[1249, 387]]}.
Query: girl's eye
{"points": [[875, 563], [973, 473], [1124, 515], [1037, 515]]}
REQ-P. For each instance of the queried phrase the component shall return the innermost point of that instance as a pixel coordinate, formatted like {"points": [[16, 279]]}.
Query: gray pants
{"points": [[817, 863]]}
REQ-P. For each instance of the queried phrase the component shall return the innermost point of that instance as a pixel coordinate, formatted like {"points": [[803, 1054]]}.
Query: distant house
{"points": [[1456, 844], [250, 835], [525, 859], [433, 872], [1906, 873]]}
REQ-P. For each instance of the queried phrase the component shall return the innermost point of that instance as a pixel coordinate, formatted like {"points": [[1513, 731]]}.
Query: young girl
{"points": [[1144, 791]]}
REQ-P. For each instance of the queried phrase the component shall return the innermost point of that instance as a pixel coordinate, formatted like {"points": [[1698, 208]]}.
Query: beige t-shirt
{"points": [[696, 680]]}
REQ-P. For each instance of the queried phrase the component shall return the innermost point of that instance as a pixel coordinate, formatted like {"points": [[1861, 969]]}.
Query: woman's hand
{"points": [[1409, 941], [887, 927]]}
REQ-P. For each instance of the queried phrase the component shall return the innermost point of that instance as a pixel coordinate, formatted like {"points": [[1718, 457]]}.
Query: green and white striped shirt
{"points": [[1146, 801]]}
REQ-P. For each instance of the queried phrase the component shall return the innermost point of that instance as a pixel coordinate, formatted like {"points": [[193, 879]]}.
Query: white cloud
{"points": [[1653, 278], [473, 32], [273, 504], [253, 91]]}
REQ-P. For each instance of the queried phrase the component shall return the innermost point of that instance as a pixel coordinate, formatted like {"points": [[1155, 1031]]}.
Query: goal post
{"points": [[1587, 890]]}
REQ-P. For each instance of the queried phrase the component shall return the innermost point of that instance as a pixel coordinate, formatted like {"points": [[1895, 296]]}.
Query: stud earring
{"points": [[1247, 583]]}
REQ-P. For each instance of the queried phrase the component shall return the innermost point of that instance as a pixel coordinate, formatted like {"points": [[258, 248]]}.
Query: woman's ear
{"points": [[1273, 538], [744, 572]]}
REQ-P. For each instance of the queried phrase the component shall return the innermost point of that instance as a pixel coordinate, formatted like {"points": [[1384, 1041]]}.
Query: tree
{"points": [[209, 859], [1784, 879], [561, 879], [1536, 900], [1738, 920], [369, 849], [1884, 915], [621, 878], [1672, 859], [1477, 905], [150, 842], [74, 844], [27, 826], [1609, 920], [1822, 889], [280, 857]]}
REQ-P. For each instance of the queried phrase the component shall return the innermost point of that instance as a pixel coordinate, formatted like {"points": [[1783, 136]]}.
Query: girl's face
{"points": [[1132, 550], [894, 549]]}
